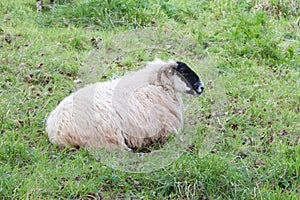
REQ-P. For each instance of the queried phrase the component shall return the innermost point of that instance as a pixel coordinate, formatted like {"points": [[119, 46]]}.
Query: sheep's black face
{"points": [[193, 83]]}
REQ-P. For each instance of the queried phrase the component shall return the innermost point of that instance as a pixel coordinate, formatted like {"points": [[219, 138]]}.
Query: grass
{"points": [[254, 53]]}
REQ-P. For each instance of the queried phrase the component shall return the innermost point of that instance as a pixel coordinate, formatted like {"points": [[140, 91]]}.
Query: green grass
{"points": [[254, 53]]}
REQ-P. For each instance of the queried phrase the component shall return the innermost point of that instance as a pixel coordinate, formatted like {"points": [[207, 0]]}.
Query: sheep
{"points": [[39, 4], [126, 113]]}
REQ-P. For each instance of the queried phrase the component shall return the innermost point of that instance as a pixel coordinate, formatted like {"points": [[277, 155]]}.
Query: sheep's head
{"points": [[184, 78]]}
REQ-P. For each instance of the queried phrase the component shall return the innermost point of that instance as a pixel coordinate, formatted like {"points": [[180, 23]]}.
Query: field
{"points": [[248, 55]]}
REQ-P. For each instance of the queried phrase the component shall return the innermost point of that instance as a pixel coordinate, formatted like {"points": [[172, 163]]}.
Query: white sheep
{"points": [[129, 112]]}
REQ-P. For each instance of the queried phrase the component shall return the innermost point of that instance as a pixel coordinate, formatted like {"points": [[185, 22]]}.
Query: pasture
{"points": [[250, 48]]}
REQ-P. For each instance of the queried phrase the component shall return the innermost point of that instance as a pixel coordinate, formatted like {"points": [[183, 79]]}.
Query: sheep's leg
{"points": [[39, 4], [129, 150], [122, 140]]}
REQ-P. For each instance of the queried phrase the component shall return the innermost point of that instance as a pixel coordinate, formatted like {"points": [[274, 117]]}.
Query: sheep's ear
{"points": [[170, 72]]}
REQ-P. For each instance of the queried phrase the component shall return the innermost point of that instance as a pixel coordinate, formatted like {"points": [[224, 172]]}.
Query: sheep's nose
{"points": [[202, 88]]}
